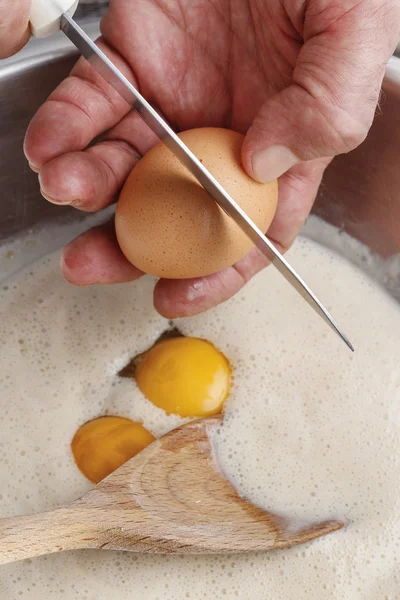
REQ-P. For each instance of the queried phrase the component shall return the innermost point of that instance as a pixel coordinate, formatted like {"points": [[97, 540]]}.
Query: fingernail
{"points": [[68, 269], [33, 168], [271, 163], [53, 201]]}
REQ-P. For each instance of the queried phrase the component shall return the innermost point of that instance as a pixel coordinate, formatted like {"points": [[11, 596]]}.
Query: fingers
{"points": [[188, 297], [88, 180], [336, 84], [91, 180], [81, 108], [297, 192], [94, 257], [14, 26]]}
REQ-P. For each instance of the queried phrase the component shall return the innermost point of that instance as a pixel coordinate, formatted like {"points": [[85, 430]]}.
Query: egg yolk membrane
{"points": [[185, 376], [101, 446]]}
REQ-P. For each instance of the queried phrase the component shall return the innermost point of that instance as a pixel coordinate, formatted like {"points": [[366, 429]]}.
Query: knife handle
{"points": [[46, 15]]}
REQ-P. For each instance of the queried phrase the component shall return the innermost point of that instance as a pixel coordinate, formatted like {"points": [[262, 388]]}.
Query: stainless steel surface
{"points": [[110, 73], [91, 8], [360, 192], [26, 80]]}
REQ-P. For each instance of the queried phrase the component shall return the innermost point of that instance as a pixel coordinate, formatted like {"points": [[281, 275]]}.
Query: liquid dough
{"points": [[311, 431]]}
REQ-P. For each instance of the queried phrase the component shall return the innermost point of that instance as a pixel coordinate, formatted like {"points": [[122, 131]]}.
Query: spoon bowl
{"points": [[169, 499]]}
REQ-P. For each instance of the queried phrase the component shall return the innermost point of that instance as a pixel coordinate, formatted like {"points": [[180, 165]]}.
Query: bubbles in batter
{"points": [[310, 430]]}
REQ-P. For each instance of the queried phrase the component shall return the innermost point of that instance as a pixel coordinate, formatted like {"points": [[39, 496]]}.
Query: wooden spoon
{"points": [[170, 498]]}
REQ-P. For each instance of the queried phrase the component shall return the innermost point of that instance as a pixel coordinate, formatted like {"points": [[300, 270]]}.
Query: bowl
{"points": [[359, 193]]}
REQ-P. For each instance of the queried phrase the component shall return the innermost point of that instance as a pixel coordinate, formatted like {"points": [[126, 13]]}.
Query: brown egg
{"points": [[169, 226]]}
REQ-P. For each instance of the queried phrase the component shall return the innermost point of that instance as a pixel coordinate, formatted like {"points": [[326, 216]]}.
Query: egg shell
{"points": [[169, 226]]}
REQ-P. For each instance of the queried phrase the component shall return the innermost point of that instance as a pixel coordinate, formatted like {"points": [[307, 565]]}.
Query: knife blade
{"points": [[104, 66]]}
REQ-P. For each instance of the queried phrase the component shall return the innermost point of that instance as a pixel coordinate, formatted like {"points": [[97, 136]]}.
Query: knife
{"points": [[49, 16]]}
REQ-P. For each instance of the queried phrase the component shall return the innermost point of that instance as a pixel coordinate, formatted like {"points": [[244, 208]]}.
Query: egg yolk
{"points": [[185, 376], [104, 444]]}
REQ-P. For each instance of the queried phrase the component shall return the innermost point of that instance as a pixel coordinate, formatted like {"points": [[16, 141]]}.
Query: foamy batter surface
{"points": [[310, 430]]}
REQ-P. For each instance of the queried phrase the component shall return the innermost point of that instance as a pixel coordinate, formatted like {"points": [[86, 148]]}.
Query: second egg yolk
{"points": [[185, 376], [104, 444]]}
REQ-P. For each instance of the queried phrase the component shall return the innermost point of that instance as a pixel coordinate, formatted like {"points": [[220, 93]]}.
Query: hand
{"points": [[302, 78], [14, 26]]}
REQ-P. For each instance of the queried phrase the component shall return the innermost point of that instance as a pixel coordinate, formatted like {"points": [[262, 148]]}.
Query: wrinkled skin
{"points": [[302, 75]]}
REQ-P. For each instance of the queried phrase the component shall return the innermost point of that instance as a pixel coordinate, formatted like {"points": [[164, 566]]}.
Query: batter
{"points": [[310, 431]]}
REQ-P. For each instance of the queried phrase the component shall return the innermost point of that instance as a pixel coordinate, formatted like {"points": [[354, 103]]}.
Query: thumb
{"points": [[329, 106], [14, 26]]}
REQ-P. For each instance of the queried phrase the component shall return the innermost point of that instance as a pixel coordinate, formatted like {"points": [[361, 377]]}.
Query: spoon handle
{"points": [[44, 533]]}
